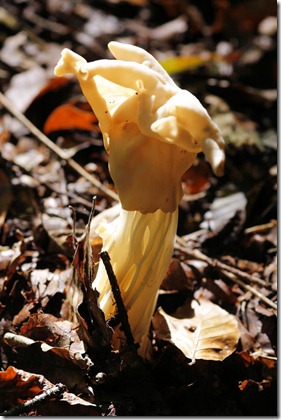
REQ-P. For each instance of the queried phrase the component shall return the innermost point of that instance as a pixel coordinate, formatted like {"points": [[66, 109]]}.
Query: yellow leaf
{"points": [[212, 334], [177, 64]]}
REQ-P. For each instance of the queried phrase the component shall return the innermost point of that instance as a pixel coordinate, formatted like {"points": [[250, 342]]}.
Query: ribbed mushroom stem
{"points": [[140, 247]]}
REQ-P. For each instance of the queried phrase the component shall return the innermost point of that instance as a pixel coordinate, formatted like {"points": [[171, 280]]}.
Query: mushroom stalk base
{"points": [[140, 247]]}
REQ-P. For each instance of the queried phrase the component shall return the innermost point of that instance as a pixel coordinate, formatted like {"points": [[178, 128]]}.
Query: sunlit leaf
{"points": [[175, 65], [211, 334]]}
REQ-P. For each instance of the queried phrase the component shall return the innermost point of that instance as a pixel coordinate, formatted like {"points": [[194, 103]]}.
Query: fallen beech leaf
{"points": [[68, 117], [212, 334], [46, 327]]}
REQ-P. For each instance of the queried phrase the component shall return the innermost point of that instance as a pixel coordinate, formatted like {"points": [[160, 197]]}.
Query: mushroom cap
{"points": [[152, 129]]}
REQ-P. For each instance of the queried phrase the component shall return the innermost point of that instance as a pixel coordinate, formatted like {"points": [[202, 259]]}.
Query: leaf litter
{"points": [[225, 254]]}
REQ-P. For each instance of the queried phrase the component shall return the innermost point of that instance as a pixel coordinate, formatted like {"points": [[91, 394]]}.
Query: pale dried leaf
{"points": [[223, 209], [212, 334]]}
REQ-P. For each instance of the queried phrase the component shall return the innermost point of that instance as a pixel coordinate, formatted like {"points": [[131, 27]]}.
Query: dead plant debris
{"points": [[56, 354]]}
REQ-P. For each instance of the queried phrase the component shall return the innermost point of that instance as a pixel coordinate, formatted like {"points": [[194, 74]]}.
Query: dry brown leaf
{"points": [[68, 117], [176, 278], [17, 381], [18, 386], [212, 334], [197, 178]]}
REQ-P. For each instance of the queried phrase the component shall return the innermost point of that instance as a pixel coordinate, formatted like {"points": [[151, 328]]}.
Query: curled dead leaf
{"points": [[18, 386], [211, 334]]}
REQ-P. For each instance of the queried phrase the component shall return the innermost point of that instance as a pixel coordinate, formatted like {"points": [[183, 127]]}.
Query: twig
{"points": [[230, 272], [261, 228], [118, 298], [195, 253], [55, 149], [250, 289], [17, 341], [20, 341], [52, 392]]}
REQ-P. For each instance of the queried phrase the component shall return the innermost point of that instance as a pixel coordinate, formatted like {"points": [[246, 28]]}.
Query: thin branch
{"points": [[53, 392], [231, 272], [118, 298], [17, 341], [251, 289], [54, 148], [195, 253]]}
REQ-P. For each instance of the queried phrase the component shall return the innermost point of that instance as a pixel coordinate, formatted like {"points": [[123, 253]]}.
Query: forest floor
{"points": [[225, 53]]}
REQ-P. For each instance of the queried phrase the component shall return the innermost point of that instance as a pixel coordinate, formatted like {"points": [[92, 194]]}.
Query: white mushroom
{"points": [[152, 131]]}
